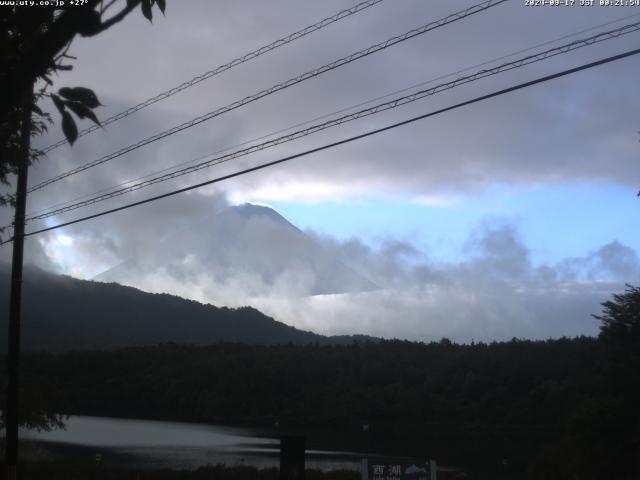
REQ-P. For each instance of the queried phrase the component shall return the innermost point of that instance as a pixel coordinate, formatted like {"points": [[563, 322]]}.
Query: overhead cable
{"points": [[328, 115], [276, 88], [528, 60], [222, 68], [340, 142]]}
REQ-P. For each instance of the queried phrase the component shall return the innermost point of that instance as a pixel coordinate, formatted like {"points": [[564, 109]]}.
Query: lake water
{"points": [[156, 444]]}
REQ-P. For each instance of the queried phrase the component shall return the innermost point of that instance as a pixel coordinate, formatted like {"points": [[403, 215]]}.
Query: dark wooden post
{"points": [[292, 452], [15, 305]]}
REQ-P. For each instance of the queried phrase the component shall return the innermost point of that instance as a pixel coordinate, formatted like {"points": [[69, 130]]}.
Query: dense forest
{"points": [[549, 408], [564, 408]]}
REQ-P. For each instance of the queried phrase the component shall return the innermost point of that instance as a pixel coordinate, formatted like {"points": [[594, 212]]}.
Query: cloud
{"points": [[442, 200], [611, 261], [300, 191], [98, 245], [453, 311], [495, 293], [569, 130], [579, 128]]}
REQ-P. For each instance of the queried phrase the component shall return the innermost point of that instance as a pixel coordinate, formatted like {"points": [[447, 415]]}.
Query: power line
{"points": [[347, 118], [227, 66], [341, 142], [280, 86], [528, 60], [327, 115]]}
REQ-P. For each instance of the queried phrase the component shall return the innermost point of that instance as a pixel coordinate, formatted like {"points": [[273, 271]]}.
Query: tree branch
{"points": [[118, 17], [36, 60], [107, 6]]}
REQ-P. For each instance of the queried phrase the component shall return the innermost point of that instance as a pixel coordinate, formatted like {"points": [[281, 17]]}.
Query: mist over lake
{"points": [[179, 445]]}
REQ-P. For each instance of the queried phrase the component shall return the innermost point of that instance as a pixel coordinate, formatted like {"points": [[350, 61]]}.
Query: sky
{"points": [[510, 217]]}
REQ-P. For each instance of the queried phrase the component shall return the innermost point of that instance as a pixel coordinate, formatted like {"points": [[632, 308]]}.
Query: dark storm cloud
{"points": [[579, 128]]}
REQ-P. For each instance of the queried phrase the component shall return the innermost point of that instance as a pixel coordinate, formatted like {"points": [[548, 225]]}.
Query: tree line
{"points": [[537, 405], [554, 408]]}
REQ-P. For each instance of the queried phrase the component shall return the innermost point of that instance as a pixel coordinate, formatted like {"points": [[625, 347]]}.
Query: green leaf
{"points": [[80, 94], [66, 92], [69, 127], [162, 4], [57, 101], [82, 111], [145, 5]]}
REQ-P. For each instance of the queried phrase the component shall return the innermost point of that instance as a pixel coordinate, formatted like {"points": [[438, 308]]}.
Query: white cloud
{"points": [[495, 293], [306, 192], [436, 200], [64, 240], [567, 131], [461, 313]]}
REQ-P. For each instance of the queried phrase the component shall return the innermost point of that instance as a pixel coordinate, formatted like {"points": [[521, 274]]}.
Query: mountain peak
{"points": [[251, 245], [251, 211]]}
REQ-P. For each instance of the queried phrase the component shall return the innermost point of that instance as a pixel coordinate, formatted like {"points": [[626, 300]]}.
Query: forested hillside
{"points": [[63, 313]]}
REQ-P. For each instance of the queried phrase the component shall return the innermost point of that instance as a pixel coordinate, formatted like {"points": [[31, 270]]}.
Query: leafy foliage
{"points": [[621, 318], [80, 95], [69, 127], [35, 46], [617, 431], [81, 101]]}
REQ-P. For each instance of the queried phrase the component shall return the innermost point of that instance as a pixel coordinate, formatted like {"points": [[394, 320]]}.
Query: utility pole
{"points": [[13, 358]]}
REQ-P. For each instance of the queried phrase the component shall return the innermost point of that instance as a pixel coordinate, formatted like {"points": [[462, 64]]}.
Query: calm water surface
{"points": [[156, 444]]}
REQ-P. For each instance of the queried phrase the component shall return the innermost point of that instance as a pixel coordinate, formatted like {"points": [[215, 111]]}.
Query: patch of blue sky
{"points": [[573, 219], [554, 221]]}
